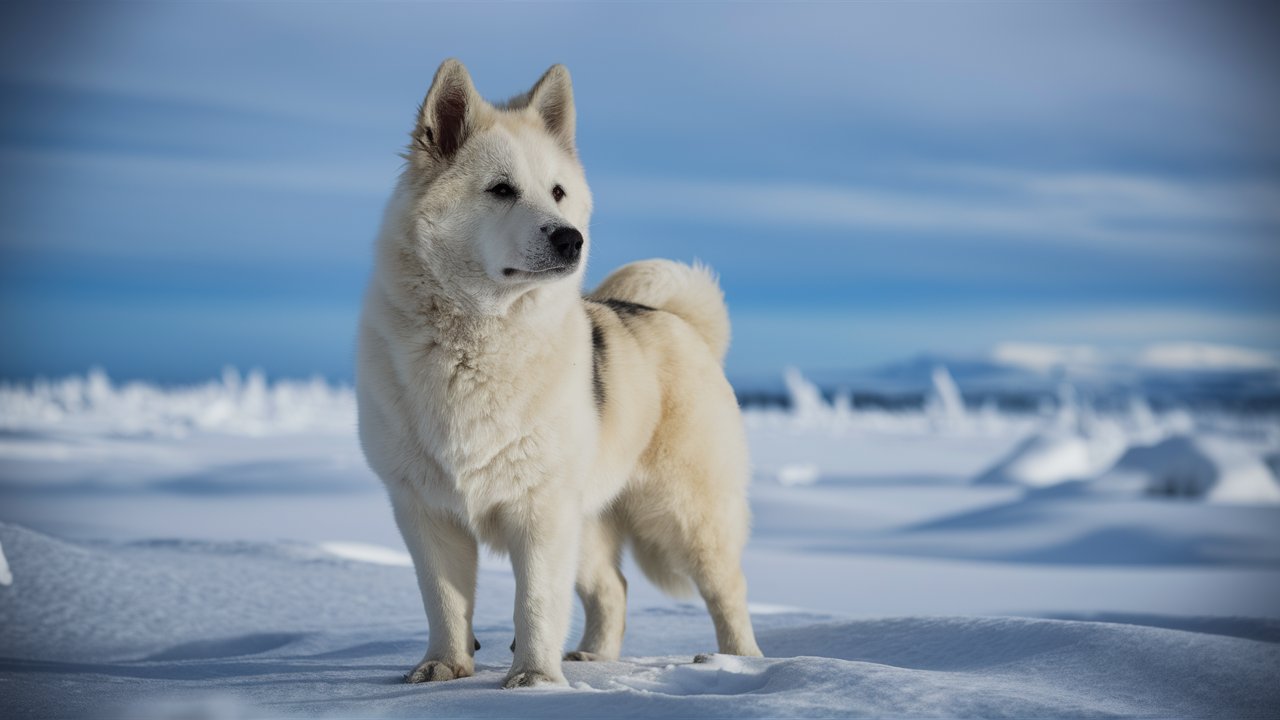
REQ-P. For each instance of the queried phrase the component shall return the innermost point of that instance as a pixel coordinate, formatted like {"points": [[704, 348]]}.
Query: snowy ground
{"points": [[223, 552]]}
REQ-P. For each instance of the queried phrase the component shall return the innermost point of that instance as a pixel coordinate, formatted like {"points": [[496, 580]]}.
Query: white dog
{"points": [[501, 406]]}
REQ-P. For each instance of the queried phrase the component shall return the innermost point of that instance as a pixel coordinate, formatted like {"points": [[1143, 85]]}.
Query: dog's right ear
{"points": [[448, 113]]}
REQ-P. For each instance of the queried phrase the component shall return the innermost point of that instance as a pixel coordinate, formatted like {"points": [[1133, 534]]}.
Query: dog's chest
{"points": [[481, 425]]}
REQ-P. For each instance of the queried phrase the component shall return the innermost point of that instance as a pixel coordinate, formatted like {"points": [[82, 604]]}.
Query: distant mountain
{"points": [[1025, 374]]}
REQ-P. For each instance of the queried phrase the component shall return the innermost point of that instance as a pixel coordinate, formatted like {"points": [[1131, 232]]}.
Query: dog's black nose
{"points": [[567, 242]]}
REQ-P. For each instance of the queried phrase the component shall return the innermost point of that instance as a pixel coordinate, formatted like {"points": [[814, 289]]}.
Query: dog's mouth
{"points": [[544, 273]]}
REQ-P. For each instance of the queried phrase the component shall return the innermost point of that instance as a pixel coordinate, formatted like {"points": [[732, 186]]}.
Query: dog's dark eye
{"points": [[557, 192], [503, 190]]}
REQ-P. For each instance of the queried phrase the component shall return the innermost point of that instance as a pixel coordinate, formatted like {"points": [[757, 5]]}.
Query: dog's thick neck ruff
{"points": [[519, 324]]}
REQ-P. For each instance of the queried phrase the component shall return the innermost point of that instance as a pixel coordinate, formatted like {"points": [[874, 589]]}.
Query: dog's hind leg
{"points": [[445, 557], [603, 591], [724, 589]]}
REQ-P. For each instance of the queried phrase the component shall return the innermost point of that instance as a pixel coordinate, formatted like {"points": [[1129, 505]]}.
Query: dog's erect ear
{"points": [[448, 113], [552, 98]]}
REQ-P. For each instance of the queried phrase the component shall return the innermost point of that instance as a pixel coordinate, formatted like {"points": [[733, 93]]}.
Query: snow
{"points": [[1218, 470], [368, 552], [273, 629], [946, 405], [1043, 459], [1140, 454], [6, 575], [173, 560], [232, 404], [806, 399], [798, 474]]}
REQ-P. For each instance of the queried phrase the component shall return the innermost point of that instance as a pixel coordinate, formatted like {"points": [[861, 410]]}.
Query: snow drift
{"points": [[293, 631], [1216, 471]]}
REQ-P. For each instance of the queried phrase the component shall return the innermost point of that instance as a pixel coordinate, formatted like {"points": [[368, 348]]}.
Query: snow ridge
{"points": [[290, 621]]}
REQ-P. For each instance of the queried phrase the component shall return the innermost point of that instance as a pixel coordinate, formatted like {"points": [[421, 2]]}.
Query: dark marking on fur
{"points": [[598, 356], [625, 311], [624, 308], [476, 641]]}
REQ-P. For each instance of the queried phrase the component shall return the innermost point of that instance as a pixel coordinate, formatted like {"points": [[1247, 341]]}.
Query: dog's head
{"points": [[498, 200]]}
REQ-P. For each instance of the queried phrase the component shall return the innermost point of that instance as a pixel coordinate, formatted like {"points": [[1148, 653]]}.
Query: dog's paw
{"points": [[703, 658], [582, 656], [436, 671], [530, 678]]}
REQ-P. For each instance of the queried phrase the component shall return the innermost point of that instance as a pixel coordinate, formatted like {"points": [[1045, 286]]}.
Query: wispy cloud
{"points": [[373, 177], [767, 339], [1120, 196], [1108, 210]]}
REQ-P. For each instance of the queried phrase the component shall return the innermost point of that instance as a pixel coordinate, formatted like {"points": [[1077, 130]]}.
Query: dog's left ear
{"points": [[552, 98]]}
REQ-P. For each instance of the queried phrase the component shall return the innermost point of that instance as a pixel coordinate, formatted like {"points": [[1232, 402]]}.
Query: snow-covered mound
{"points": [[1075, 445], [1215, 470], [286, 630], [1044, 459]]}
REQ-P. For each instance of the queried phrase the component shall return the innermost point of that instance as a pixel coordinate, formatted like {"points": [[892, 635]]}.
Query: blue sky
{"points": [[189, 185]]}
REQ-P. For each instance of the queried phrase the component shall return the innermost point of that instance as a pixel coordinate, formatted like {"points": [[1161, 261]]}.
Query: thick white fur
{"points": [[690, 292], [479, 411]]}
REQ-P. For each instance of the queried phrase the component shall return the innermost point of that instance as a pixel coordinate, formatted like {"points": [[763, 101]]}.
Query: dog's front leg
{"points": [[445, 556], [544, 554]]}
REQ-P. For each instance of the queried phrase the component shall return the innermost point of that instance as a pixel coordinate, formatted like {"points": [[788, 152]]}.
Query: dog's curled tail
{"points": [[689, 292]]}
